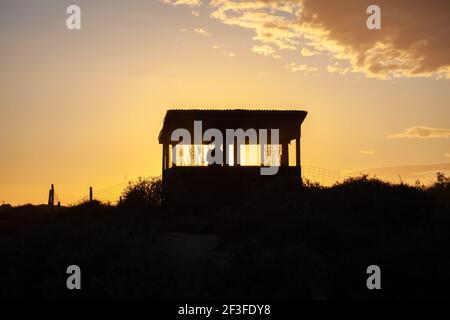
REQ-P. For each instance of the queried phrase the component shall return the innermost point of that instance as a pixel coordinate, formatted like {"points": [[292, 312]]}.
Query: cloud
{"points": [[413, 41], [191, 3], [447, 155], [266, 50], [306, 52], [336, 68], [367, 152], [422, 133], [265, 17], [224, 52], [301, 68], [202, 32]]}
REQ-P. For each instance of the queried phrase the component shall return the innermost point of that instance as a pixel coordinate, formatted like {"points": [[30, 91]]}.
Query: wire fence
{"points": [[325, 177], [111, 194]]}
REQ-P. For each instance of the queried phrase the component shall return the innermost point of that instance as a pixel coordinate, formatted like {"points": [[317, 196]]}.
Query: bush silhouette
{"points": [[440, 190], [145, 193], [279, 242]]}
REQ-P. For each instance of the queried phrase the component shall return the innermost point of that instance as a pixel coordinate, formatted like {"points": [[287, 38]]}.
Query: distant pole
{"points": [[90, 195], [51, 196]]}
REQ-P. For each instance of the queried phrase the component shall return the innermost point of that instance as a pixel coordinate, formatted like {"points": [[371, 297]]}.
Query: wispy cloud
{"points": [[192, 3], [202, 32], [405, 47], [336, 68], [294, 67], [224, 52], [267, 51], [307, 52], [270, 20], [422, 133], [367, 152]]}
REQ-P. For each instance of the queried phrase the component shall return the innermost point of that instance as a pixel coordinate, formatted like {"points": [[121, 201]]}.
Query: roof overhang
{"points": [[287, 121]]}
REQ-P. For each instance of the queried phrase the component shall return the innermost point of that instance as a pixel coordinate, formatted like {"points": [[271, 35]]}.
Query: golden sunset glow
{"points": [[250, 155], [84, 108]]}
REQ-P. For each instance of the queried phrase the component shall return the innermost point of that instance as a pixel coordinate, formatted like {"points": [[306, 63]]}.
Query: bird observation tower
{"points": [[222, 154]]}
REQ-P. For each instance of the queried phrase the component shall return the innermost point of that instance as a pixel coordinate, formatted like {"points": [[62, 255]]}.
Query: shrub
{"points": [[440, 190], [144, 193]]}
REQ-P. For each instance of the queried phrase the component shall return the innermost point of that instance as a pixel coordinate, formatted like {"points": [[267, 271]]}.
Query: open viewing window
{"points": [[250, 155]]}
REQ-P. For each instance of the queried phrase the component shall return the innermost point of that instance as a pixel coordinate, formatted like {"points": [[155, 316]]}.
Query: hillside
{"points": [[281, 243]]}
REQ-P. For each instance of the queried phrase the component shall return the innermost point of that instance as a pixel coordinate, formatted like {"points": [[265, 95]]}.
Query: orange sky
{"points": [[81, 108]]}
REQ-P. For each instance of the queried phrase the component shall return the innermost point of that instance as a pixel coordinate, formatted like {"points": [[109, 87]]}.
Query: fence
{"points": [[325, 177], [111, 194]]}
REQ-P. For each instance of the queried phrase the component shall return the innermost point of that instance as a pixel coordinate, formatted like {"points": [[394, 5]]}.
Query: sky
{"points": [[82, 108]]}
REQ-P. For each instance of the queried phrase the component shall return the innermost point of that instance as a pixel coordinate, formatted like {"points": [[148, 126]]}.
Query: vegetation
{"points": [[145, 193], [282, 242]]}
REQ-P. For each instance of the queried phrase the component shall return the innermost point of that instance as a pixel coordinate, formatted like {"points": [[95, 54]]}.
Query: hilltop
{"points": [[282, 242]]}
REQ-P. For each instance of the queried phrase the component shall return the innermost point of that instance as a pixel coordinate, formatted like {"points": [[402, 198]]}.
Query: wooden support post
{"points": [[236, 153], [90, 195], [284, 153], [167, 157], [224, 149], [262, 146], [163, 164]]}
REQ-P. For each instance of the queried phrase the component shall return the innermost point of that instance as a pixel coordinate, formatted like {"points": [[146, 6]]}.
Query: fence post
{"points": [[51, 196], [90, 195]]}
